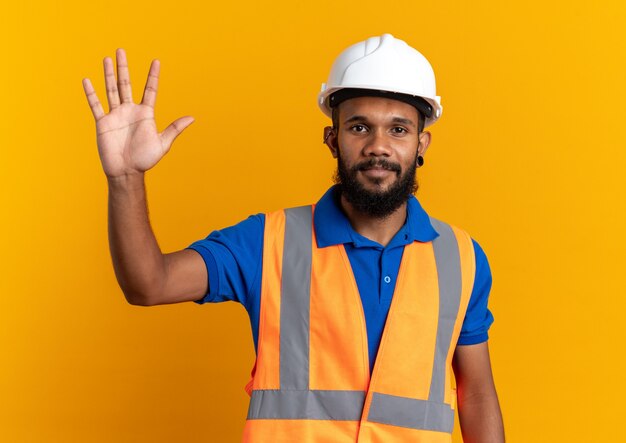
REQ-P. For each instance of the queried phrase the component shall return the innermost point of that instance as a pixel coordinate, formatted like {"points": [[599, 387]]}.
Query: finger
{"points": [[173, 130], [92, 99], [109, 79], [123, 78], [152, 84]]}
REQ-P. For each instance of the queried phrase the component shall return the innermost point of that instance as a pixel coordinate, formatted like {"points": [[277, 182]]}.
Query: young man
{"points": [[362, 306]]}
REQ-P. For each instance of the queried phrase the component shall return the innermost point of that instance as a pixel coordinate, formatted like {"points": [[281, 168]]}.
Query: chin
{"points": [[378, 185]]}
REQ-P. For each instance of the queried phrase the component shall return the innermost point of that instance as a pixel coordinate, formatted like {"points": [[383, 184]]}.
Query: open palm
{"points": [[127, 137]]}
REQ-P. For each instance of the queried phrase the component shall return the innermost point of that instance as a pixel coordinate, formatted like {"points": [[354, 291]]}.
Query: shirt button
{"points": [[387, 279]]}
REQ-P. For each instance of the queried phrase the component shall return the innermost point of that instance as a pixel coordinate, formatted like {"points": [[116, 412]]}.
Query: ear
{"points": [[424, 142], [330, 140]]}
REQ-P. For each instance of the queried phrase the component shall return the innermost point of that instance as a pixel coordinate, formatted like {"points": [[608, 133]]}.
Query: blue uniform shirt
{"points": [[234, 258]]}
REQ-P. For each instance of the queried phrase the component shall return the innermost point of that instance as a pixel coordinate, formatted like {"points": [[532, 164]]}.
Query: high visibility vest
{"points": [[311, 379]]}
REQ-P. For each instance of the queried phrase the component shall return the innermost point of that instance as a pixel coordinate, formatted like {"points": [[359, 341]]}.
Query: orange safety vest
{"points": [[311, 380]]}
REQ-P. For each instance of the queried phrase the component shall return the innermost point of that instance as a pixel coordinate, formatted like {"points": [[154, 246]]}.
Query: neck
{"points": [[380, 230]]}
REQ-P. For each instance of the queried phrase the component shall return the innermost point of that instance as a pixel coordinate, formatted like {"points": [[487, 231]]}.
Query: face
{"points": [[376, 145]]}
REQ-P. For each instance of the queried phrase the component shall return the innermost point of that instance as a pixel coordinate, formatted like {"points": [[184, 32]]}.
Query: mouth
{"points": [[378, 169]]}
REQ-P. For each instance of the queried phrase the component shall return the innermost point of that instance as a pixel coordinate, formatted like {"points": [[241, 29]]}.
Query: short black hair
{"points": [[420, 124]]}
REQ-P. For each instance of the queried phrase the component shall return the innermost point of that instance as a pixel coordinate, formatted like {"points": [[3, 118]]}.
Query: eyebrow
{"points": [[362, 118]]}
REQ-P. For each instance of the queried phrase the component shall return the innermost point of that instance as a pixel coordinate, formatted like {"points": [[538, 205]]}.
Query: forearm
{"points": [[137, 259], [480, 417]]}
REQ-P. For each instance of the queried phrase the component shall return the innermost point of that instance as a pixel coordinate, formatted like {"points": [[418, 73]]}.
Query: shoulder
{"points": [[468, 247], [252, 223], [454, 237], [479, 254], [245, 232], [276, 222]]}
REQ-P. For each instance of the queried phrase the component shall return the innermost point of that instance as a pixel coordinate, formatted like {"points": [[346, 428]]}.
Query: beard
{"points": [[377, 204]]}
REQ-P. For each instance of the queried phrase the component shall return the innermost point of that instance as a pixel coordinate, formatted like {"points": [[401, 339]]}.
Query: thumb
{"points": [[174, 130]]}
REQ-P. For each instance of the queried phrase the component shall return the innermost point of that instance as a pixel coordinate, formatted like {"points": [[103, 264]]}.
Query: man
{"points": [[362, 305]]}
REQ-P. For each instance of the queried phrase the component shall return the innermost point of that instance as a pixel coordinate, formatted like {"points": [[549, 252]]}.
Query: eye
{"points": [[399, 130], [358, 128]]}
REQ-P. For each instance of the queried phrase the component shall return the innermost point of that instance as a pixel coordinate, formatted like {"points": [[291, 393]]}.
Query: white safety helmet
{"points": [[386, 67]]}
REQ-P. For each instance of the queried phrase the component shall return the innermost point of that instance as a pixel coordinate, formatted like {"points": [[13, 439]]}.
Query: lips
{"points": [[378, 169], [376, 172], [379, 165]]}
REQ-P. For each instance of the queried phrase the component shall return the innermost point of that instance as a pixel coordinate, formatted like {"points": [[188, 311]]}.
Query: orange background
{"points": [[528, 157]]}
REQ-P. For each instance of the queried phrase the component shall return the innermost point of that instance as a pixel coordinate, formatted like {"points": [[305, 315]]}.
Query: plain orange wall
{"points": [[528, 157]]}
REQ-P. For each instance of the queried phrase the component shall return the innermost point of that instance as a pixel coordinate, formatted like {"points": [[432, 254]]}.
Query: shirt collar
{"points": [[332, 227]]}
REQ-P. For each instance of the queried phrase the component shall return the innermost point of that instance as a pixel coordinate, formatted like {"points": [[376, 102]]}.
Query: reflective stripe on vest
{"points": [[296, 380]]}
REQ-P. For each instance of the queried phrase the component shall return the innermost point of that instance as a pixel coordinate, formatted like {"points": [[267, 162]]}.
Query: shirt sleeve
{"points": [[233, 257], [478, 318]]}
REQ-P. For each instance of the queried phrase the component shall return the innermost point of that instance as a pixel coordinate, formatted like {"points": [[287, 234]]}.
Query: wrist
{"points": [[125, 180]]}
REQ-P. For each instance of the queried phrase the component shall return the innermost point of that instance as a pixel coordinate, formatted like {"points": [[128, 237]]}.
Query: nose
{"points": [[377, 145]]}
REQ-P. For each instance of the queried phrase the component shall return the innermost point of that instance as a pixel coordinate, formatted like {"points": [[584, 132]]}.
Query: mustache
{"points": [[381, 163]]}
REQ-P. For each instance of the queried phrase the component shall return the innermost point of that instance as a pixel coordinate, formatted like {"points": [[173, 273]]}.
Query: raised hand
{"points": [[127, 137]]}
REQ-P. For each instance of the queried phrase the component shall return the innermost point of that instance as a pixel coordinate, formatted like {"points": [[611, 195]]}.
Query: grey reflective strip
{"points": [[411, 413], [295, 299], [312, 405], [448, 262]]}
